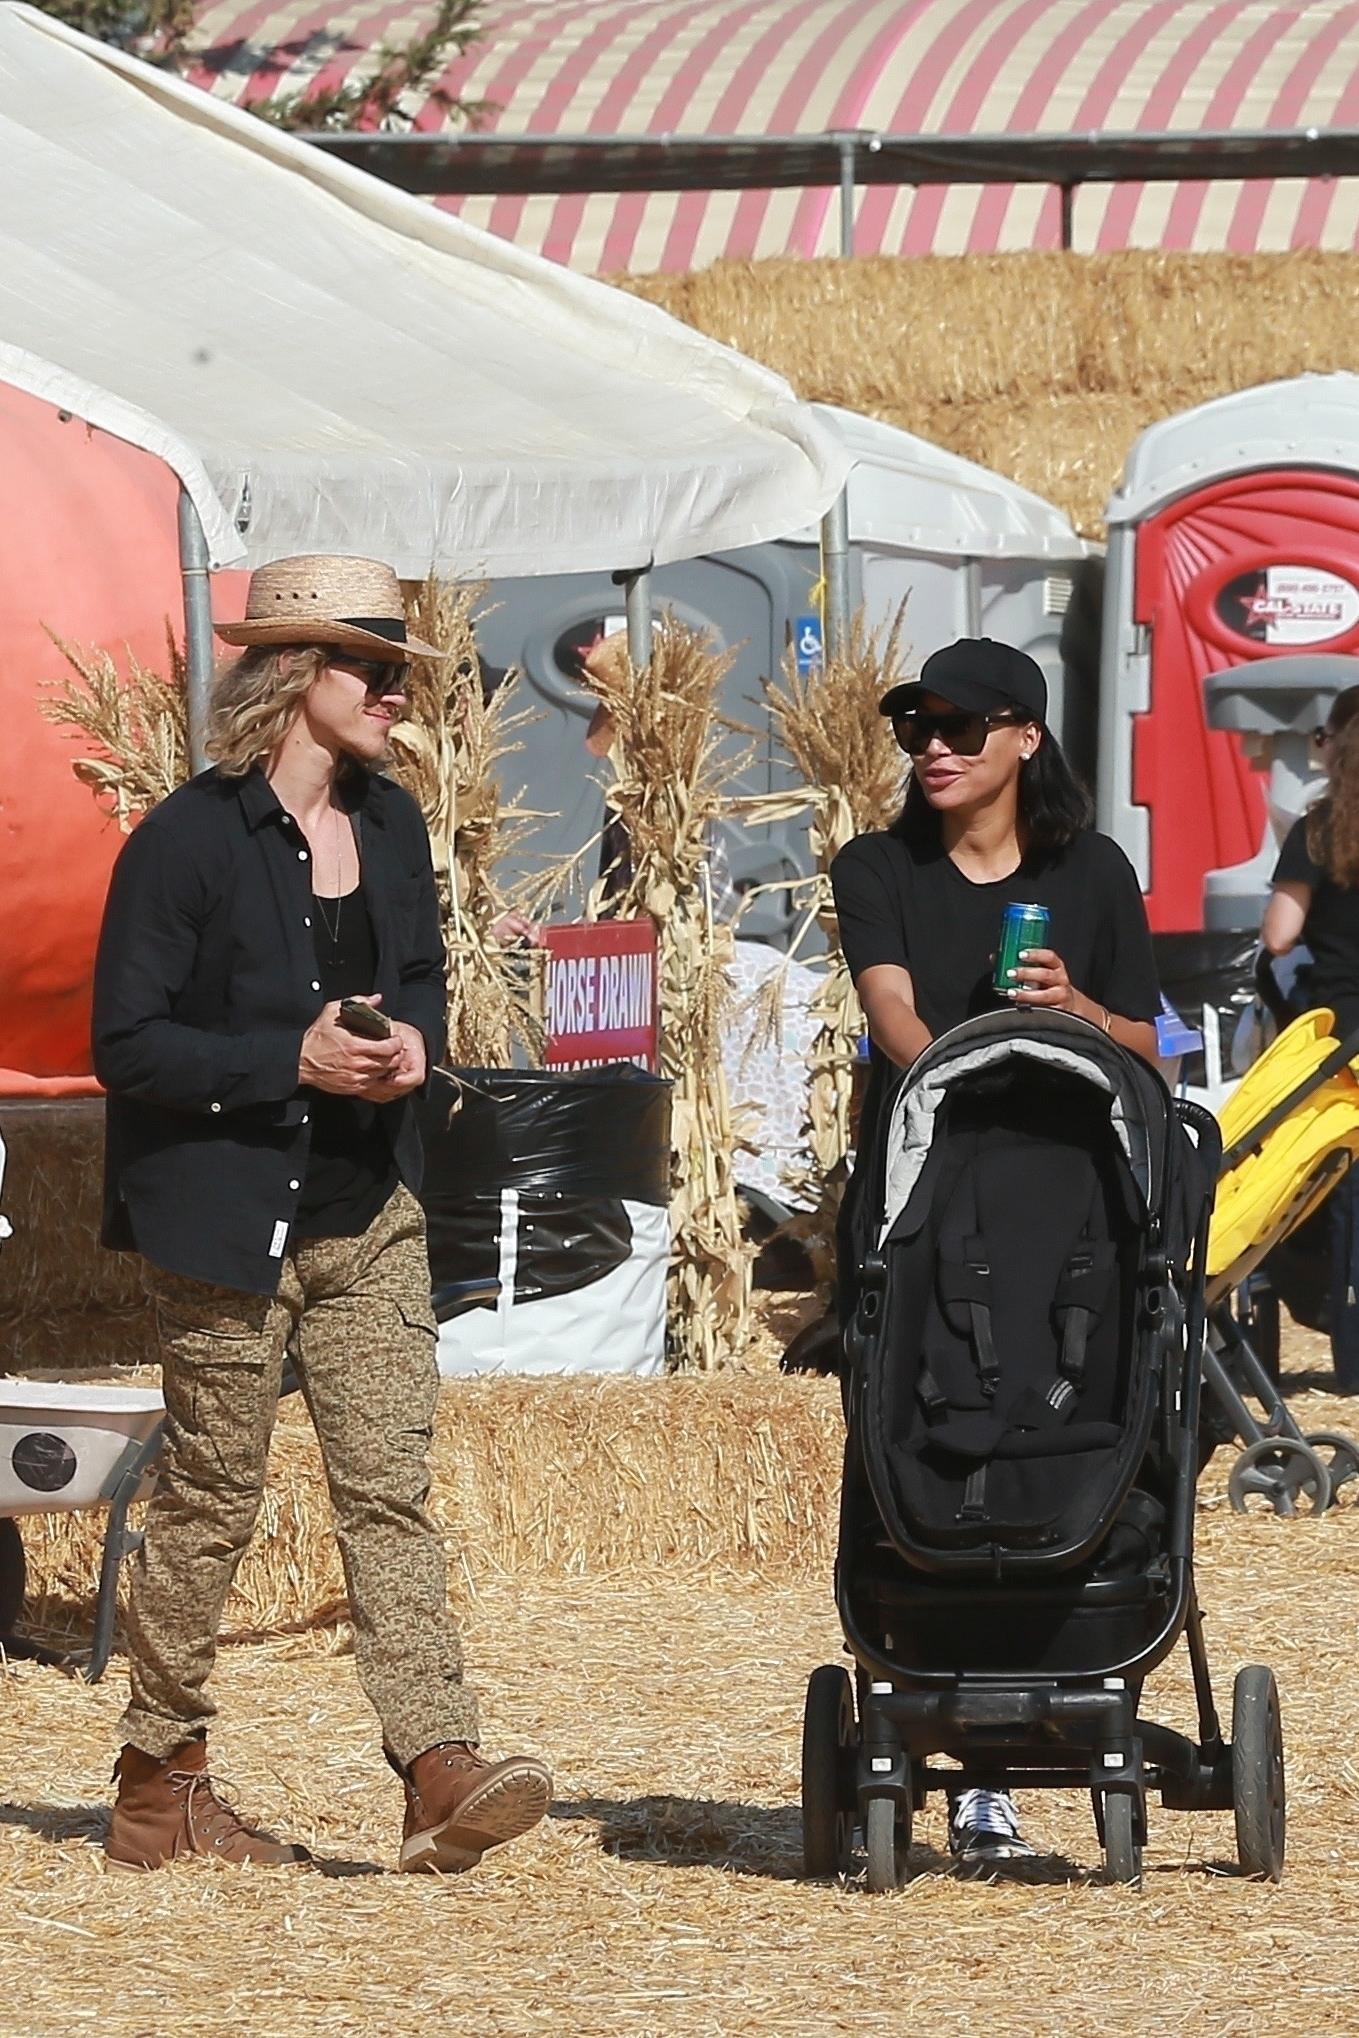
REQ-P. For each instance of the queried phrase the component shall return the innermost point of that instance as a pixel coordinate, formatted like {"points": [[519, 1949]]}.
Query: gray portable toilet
{"points": [[1231, 614], [971, 552]]}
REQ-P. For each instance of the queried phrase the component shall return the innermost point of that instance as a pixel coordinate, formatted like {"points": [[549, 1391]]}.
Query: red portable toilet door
{"points": [[1253, 566]]}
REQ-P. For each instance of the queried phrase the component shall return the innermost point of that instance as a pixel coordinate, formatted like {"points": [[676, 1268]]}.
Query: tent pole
{"points": [[198, 650], [637, 598], [835, 570], [846, 146]]}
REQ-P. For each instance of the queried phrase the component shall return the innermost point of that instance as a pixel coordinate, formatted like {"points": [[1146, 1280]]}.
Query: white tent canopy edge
{"points": [[330, 364]]}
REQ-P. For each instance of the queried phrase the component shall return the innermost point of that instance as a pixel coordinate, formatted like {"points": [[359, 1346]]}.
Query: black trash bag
{"points": [[575, 1147]]}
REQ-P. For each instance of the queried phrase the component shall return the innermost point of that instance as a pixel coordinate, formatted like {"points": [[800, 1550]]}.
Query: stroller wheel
{"points": [[1338, 1453], [1122, 1852], [1258, 1796], [1285, 1472], [829, 1742], [887, 1836]]}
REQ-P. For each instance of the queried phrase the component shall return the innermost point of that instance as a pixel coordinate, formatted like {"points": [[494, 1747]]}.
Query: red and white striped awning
{"points": [[749, 67]]}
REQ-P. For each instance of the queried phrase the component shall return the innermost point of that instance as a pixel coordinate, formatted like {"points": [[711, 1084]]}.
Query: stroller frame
{"points": [[869, 1740]]}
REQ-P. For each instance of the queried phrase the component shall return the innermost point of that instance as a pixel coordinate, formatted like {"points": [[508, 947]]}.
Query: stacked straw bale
{"points": [[568, 1477], [1042, 366], [66, 1305]]}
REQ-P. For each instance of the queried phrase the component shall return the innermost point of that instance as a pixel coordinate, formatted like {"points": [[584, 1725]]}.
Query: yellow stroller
{"points": [[1289, 1132]]}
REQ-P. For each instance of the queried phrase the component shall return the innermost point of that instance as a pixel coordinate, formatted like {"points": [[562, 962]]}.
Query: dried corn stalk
{"points": [[829, 725], [138, 724], [447, 752], [667, 792]]}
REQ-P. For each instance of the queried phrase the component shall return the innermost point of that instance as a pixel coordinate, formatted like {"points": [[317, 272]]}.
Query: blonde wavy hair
{"points": [[1333, 823], [255, 700]]}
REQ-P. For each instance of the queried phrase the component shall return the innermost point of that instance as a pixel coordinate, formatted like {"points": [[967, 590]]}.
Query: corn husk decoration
{"points": [[137, 723], [448, 751], [828, 723], [667, 792]]}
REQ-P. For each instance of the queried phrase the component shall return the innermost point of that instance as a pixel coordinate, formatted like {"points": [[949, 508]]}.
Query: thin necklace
{"points": [[334, 932]]}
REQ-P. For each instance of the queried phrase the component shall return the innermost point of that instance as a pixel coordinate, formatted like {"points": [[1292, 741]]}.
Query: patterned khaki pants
{"points": [[354, 1315]]}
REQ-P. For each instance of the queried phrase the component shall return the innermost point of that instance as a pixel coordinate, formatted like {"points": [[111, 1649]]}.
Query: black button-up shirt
{"points": [[205, 983]]}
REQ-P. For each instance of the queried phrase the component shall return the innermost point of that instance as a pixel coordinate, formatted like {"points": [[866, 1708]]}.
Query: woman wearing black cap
{"points": [[992, 814]]}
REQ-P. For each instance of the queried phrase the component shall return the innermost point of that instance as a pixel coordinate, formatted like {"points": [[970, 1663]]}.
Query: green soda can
{"points": [[1022, 927]]}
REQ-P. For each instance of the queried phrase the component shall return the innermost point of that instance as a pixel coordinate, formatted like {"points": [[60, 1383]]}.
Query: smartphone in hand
{"points": [[367, 1020]]}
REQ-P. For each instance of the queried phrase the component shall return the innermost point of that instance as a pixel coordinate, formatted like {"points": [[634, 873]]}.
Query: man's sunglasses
{"points": [[964, 733], [379, 675]]}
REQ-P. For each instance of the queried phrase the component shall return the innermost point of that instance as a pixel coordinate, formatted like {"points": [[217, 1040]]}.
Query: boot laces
{"points": [[220, 1820]]}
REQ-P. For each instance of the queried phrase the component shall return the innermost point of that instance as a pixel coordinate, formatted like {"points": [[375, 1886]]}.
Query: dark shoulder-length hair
{"points": [[1333, 823], [1054, 807]]}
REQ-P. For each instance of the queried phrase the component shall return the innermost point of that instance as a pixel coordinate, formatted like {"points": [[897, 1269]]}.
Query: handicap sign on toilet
{"points": [[809, 648]]}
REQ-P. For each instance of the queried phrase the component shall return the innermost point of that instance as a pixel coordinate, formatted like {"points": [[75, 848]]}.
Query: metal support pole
{"points": [[198, 648], [637, 598], [835, 570], [972, 593], [1068, 198], [847, 193]]}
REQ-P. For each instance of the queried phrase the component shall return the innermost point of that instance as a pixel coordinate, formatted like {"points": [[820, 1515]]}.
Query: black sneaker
{"points": [[983, 1826]]}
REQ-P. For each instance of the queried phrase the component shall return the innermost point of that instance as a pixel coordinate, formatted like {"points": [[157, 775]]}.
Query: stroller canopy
{"points": [[1140, 1110]]}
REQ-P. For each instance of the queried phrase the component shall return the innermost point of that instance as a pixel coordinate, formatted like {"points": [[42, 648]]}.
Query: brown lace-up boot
{"points": [[166, 1810], [458, 1805]]}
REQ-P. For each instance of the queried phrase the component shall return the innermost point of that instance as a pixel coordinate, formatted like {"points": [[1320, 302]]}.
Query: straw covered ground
{"points": [[1043, 366], [650, 1631]]}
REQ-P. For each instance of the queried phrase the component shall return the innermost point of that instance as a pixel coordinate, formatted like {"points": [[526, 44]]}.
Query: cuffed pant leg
{"points": [[222, 1360], [366, 1354]]}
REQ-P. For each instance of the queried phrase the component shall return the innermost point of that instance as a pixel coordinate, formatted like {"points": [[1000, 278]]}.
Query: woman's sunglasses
{"points": [[964, 733], [379, 675]]}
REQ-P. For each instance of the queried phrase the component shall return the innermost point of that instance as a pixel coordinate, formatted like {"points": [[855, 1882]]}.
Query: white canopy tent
{"points": [[331, 365]]}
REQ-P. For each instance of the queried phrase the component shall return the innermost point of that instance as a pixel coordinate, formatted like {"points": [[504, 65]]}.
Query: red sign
{"points": [[602, 995]]}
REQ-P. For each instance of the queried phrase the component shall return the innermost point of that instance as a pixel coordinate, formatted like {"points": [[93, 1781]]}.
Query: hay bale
{"points": [[564, 1478], [1045, 366], [64, 1301]]}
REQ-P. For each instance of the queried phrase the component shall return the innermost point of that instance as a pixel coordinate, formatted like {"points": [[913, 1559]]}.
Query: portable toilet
{"points": [[1233, 543], [970, 552]]}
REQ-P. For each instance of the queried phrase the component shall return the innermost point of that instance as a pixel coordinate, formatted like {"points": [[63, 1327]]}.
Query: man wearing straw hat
{"points": [[262, 1156]]}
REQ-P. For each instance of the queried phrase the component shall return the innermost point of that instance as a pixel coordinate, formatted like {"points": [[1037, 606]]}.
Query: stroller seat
{"points": [[1013, 1271]]}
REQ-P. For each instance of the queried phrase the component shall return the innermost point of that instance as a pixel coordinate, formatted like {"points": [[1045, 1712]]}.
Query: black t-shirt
{"points": [[909, 904], [350, 1168], [1331, 930]]}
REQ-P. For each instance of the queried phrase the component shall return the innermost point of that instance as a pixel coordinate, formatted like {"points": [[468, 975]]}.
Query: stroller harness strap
{"points": [[967, 1282], [1080, 1297], [972, 1426]]}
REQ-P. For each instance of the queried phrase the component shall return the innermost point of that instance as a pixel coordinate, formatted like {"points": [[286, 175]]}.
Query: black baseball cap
{"points": [[977, 673]]}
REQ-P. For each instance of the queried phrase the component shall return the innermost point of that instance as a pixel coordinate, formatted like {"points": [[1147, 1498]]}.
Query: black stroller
{"points": [[1022, 1395]]}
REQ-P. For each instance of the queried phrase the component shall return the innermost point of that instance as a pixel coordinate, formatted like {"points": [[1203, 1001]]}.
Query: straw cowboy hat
{"points": [[353, 604]]}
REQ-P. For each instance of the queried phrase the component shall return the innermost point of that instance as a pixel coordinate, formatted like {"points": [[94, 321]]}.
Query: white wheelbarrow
{"points": [[64, 1447]]}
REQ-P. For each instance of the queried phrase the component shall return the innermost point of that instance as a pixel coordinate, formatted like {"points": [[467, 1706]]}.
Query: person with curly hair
{"points": [[1316, 901], [268, 1000]]}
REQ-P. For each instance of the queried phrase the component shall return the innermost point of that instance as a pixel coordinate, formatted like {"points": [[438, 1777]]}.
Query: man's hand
{"points": [[407, 1072], [345, 1063]]}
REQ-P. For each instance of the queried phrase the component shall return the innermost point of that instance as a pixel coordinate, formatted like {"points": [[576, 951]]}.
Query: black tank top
{"points": [[350, 1171]]}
